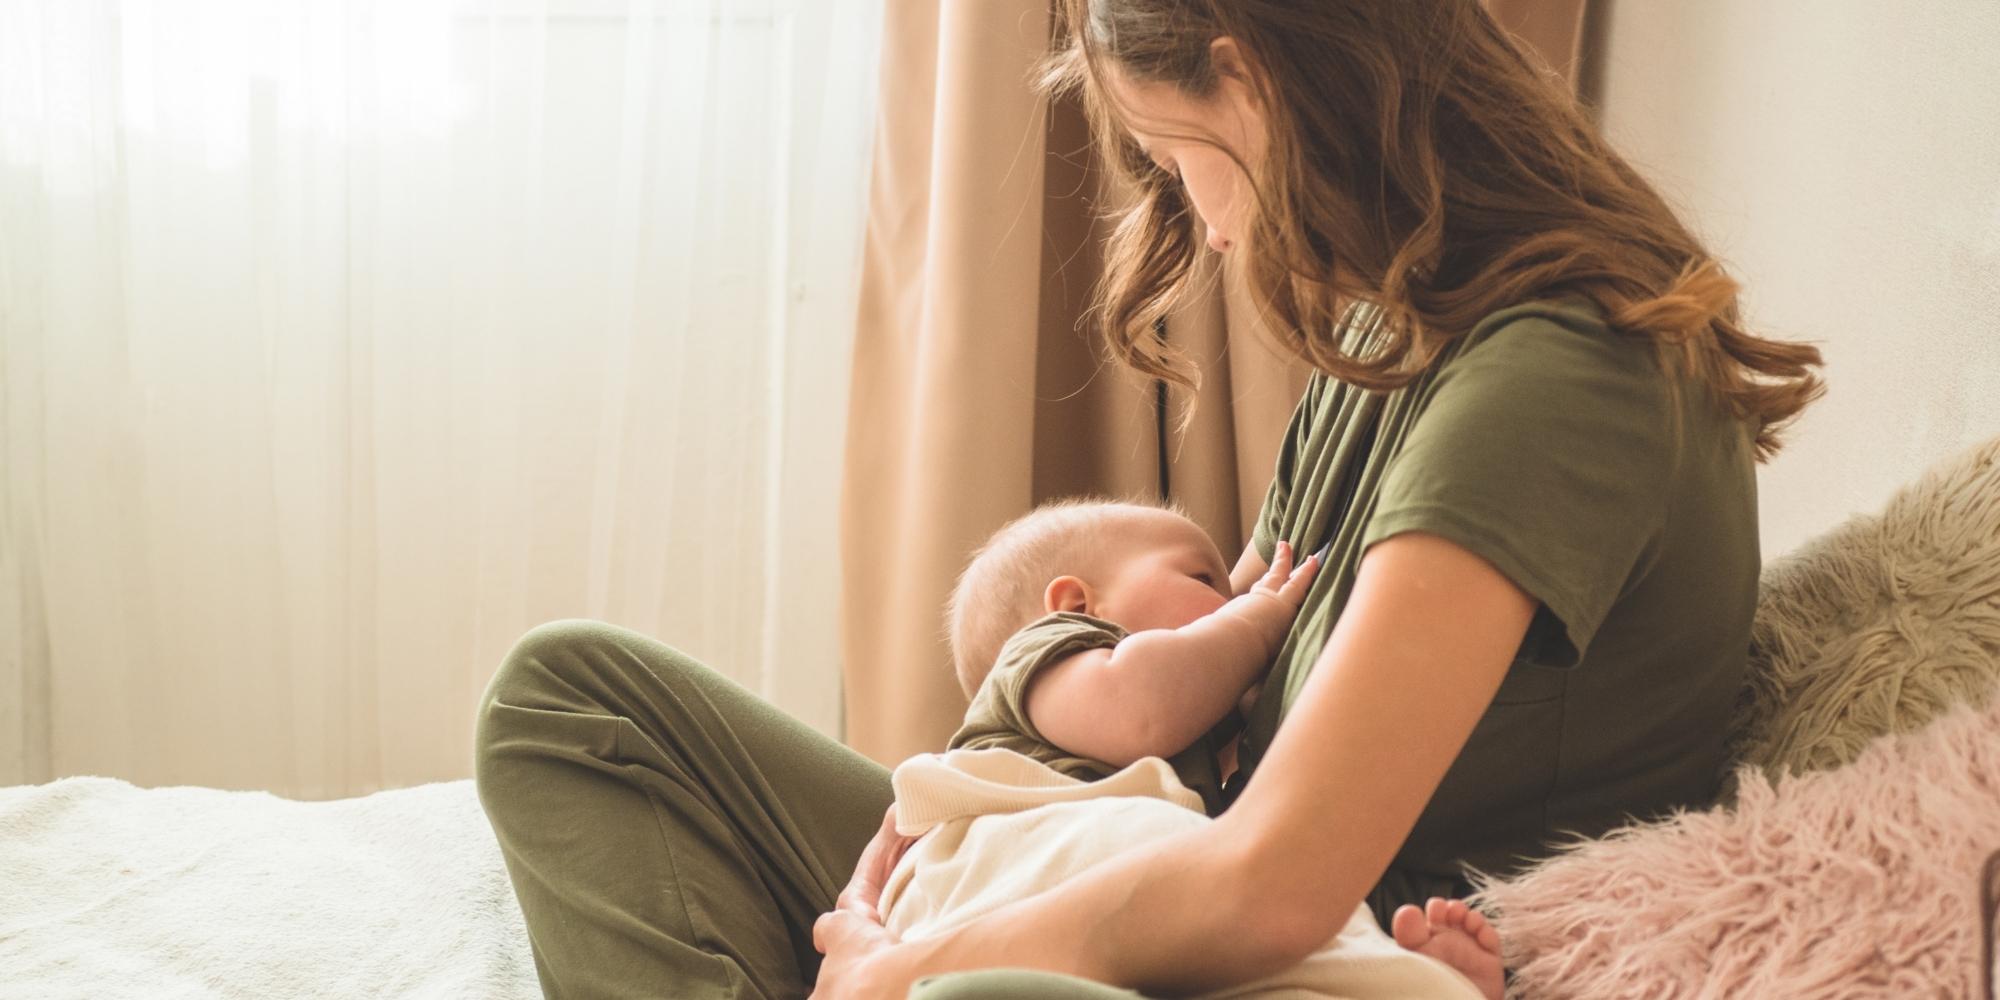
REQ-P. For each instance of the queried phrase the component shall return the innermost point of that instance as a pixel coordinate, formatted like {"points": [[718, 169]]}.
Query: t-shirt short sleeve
{"points": [[1546, 450], [998, 715]]}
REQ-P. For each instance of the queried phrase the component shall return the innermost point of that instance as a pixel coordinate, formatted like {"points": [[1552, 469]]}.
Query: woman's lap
{"points": [[669, 833]]}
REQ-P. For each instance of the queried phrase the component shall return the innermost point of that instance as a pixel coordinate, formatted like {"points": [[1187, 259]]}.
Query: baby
{"points": [[1092, 635], [1083, 604]]}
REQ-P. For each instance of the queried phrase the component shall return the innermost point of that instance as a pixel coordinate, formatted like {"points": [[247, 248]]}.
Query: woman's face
{"points": [[1180, 133]]}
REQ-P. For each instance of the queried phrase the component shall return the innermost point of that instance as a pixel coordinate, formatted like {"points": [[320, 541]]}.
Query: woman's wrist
{"points": [[892, 971], [993, 943]]}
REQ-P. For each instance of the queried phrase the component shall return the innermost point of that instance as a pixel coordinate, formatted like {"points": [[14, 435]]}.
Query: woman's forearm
{"points": [[1175, 916]]}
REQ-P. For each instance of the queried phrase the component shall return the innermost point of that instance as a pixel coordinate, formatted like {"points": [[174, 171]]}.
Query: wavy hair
{"points": [[1419, 167]]}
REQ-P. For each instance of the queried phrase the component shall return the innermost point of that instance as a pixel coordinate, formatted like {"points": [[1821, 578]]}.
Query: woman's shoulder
{"points": [[1548, 352], [1578, 313], [1554, 332]]}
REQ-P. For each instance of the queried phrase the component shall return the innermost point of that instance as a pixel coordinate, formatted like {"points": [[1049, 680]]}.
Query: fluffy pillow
{"points": [[1856, 882], [1878, 625]]}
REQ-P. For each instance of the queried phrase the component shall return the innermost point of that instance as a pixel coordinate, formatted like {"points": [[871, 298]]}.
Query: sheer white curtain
{"points": [[342, 342]]}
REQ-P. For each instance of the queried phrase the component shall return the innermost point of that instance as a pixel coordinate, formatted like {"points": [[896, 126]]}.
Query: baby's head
{"points": [[1137, 566]]}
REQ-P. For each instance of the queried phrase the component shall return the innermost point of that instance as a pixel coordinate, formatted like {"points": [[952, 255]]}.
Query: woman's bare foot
{"points": [[1457, 935]]}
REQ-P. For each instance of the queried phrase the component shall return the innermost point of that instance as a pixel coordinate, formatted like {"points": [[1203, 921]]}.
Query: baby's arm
{"points": [[1156, 692]]}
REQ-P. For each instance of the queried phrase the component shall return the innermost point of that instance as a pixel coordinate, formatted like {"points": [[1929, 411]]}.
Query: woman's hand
{"points": [[863, 894], [860, 960], [853, 937]]}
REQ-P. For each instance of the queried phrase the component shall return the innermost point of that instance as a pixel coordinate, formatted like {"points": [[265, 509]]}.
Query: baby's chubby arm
{"points": [[1156, 692]]}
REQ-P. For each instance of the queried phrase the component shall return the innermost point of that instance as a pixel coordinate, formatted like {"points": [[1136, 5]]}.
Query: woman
{"points": [[1530, 443]]}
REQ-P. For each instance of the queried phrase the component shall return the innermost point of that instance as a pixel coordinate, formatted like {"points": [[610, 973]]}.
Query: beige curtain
{"points": [[977, 392]]}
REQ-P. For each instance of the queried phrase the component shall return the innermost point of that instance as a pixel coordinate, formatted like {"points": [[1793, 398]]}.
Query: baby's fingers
{"points": [[1280, 568], [1300, 579]]}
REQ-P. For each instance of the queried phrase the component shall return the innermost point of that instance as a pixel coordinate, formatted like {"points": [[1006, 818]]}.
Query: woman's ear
{"points": [[1242, 89], [1067, 593], [1233, 66]]}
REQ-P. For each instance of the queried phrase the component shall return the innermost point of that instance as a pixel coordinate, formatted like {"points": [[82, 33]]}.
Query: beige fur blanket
{"points": [[997, 826]]}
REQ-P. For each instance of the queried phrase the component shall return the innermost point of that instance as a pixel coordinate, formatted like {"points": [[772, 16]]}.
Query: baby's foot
{"points": [[1457, 935]]}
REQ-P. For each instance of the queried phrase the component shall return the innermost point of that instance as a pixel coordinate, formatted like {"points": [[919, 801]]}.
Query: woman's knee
{"points": [[544, 653], [564, 660], [558, 666], [578, 666]]}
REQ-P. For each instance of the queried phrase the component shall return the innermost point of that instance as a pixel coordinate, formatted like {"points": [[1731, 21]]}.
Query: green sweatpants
{"points": [[669, 834]]}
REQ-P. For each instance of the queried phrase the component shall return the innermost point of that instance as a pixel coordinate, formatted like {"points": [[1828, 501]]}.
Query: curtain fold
{"points": [[977, 392]]}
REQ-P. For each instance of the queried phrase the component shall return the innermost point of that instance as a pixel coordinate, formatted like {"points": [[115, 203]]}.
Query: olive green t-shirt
{"points": [[1544, 442], [998, 715]]}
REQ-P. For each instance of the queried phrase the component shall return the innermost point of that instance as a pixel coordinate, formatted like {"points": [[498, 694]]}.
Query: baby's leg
{"points": [[1457, 935]]}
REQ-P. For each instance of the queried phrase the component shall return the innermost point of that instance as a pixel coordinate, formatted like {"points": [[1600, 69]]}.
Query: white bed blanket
{"points": [[110, 891]]}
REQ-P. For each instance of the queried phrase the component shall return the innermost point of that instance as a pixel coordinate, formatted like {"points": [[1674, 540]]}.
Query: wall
{"points": [[1843, 158]]}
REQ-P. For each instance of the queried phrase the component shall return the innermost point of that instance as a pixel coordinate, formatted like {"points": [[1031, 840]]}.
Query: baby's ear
{"points": [[1066, 593]]}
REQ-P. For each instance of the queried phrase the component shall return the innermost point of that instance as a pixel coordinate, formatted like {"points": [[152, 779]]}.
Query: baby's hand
{"points": [[1274, 600], [1284, 582]]}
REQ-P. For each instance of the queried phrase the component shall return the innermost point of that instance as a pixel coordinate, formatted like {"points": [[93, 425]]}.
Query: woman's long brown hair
{"points": [[1417, 164]]}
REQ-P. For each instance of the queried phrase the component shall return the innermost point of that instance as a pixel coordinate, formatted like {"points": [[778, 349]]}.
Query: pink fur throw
{"points": [[1861, 881]]}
